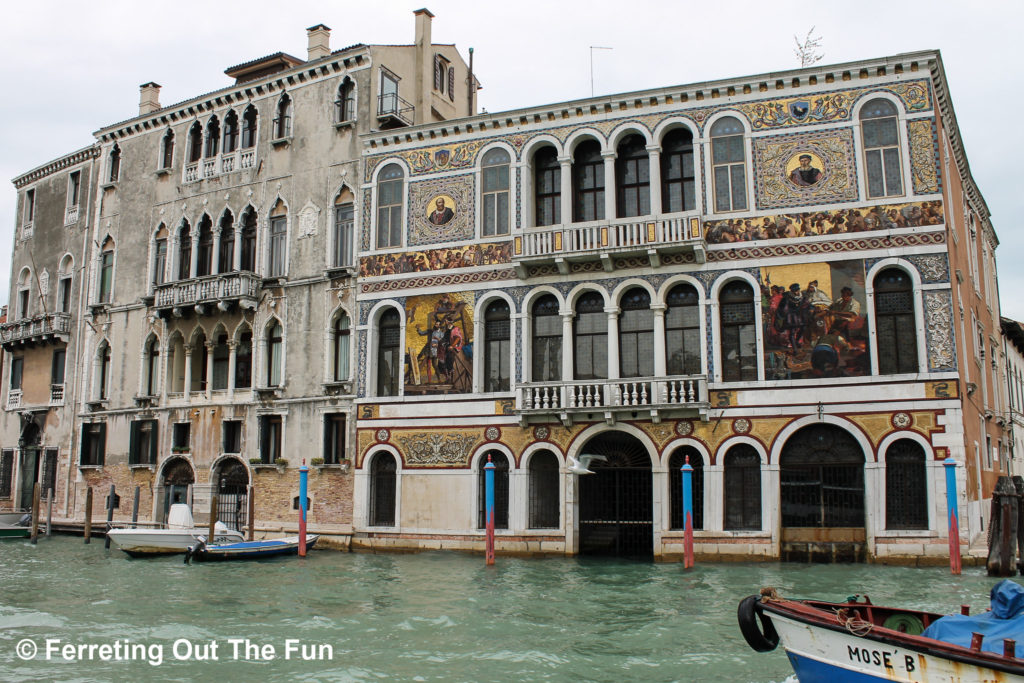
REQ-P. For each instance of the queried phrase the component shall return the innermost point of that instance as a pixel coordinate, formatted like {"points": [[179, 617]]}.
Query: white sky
{"points": [[70, 68]]}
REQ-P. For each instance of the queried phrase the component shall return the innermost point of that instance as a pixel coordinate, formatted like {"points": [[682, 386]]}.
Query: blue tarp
{"points": [[1005, 620]]}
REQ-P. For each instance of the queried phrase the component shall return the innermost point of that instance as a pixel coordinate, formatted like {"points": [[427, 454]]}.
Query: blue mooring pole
{"points": [[303, 479], [954, 517], [687, 471], [489, 509]]}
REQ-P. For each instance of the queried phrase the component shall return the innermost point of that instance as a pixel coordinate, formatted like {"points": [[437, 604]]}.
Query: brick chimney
{"points": [[319, 42], [424, 64], [149, 98]]}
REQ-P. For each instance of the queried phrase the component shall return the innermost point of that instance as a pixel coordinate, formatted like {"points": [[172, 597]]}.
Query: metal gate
{"points": [[821, 471], [615, 503], [232, 494]]}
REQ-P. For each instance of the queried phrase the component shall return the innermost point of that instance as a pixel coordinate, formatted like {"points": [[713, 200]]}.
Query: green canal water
{"points": [[426, 617]]}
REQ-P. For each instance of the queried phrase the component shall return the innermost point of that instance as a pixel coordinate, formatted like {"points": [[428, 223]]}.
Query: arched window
{"points": [[345, 105], [230, 132], [636, 334], [248, 256], [24, 294], [728, 160], [547, 187], [221, 359], [587, 182], [632, 177], [497, 346], [342, 340], [204, 259], [390, 196], [682, 331], [152, 363], [344, 228], [547, 340], [738, 343], [675, 486], [64, 284], [103, 372], [167, 149], [500, 490], [160, 256], [383, 486], [283, 121], [199, 363], [185, 251], [226, 257], [895, 322], [195, 143], [544, 491], [275, 354], [879, 125], [590, 332], [742, 488], [495, 183], [389, 357], [906, 486], [278, 242], [212, 138], [107, 271], [249, 119], [176, 365], [243, 361], [115, 163], [678, 183]]}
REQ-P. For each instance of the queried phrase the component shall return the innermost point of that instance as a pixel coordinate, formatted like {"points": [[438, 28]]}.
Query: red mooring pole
{"points": [[489, 499], [954, 516]]}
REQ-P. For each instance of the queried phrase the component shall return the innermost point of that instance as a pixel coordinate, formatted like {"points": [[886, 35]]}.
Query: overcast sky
{"points": [[71, 68]]}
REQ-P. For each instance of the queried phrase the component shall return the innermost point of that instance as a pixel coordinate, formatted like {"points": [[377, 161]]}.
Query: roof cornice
{"points": [[59, 164]]}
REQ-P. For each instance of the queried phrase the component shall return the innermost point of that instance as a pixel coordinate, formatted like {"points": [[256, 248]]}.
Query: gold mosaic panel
{"points": [[922, 156], [779, 183]]}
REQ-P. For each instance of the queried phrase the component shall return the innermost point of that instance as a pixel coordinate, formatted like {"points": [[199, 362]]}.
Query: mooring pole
{"points": [[251, 498], [49, 511], [303, 483], [212, 537], [35, 513], [135, 506], [88, 514], [489, 509], [687, 470], [954, 523], [110, 514]]}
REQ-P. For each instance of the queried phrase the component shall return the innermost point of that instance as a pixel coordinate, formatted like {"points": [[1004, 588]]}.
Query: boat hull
{"points": [[252, 549], [14, 531], [149, 542]]}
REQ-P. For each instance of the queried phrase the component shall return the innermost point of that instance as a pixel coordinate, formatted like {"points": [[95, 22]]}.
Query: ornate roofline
{"points": [[59, 164]]}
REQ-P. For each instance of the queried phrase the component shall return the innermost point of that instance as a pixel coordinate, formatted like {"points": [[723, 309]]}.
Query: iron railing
{"points": [[390, 105]]}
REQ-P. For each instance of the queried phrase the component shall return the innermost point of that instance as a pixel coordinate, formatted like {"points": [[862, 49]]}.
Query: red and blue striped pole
{"points": [[303, 479], [952, 510], [489, 507], [687, 471]]}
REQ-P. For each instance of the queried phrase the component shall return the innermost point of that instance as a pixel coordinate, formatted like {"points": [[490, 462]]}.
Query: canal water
{"points": [[424, 617]]}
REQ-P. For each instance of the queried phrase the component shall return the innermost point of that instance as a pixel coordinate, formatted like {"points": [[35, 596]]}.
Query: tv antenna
{"points": [[592, 48]]}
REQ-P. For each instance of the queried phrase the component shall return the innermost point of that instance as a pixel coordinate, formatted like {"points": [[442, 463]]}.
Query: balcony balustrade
{"points": [[48, 328], [610, 397], [221, 290], [13, 399], [71, 215], [648, 236], [56, 394]]}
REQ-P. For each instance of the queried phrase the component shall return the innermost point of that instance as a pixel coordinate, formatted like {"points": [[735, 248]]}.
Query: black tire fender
{"points": [[763, 638]]}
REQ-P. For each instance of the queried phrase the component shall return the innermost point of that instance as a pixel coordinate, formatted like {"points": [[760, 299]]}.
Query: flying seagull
{"points": [[582, 465]]}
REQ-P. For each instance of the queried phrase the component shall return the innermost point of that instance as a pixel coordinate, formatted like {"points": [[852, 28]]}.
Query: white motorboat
{"points": [[180, 532]]}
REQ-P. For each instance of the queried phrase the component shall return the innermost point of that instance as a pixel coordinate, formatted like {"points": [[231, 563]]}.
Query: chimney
{"points": [[149, 98], [424, 64], [319, 41]]}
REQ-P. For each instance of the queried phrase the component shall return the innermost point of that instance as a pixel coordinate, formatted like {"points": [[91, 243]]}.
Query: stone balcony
{"points": [[48, 328], [207, 294], [649, 237], [612, 399]]}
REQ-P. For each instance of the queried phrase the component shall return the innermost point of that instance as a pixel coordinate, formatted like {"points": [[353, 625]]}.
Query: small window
{"points": [[270, 438], [185, 251], [278, 242], [74, 188], [230, 132], [547, 340], [221, 361], [678, 182], [742, 488], [636, 334], [498, 349], [879, 124], [167, 150], [142, 442], [115, 163], [728, 160], [495, 181], [738, 341], [160, 261], [896, 322], [342, 342], [389, 358], [344, 231], [249, 119], [204, 257], [590, 330], [94, 444], [17, 371], [181, 436], [248, 256], [232, 442], [547, 187], [226, 257], [283, 122], [30, 206], [632, 177], [57, 366], [64, 294], [390, 198], [389, 100], [106, 274], [682, 331], [345, 105], [195, 143], [275, 355], [588, 182], [212, 146], [243, 362], [152, 355], [334, 438], [544, 491]]}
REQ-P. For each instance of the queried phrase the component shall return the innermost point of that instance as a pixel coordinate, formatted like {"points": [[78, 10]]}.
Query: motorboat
{"points": [[15, 525], [856, 640], [180, 532], [248, 550]]}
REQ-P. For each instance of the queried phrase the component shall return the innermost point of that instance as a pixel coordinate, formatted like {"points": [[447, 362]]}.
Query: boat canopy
{"points": [[1005, 620]]}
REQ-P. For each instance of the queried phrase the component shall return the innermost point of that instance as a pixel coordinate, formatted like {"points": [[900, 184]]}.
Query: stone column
{"points": [[194, 265], [566, 191], [609, 185], [660, 356], [238, 245], [567, 346], [215, 261], [654, 172], [209, 369], [232, 363], [188, 372], [173, 258], [613, 341]]}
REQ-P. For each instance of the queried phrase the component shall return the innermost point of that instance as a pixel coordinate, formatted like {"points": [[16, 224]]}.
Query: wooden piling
{"points": [[88, 514], [35, 513], [49, 511], [135, 507], [212, 538], [110, 514], [252, 511]]}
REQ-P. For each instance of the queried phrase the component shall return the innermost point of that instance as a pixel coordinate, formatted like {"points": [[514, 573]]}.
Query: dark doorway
{"points": [[615, 503], [821, 472], [178, 477], [232, 493], [28, 471]]}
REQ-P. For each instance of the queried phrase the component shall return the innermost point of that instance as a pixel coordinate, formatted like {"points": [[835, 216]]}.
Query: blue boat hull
{"points": [[249, 550]]}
